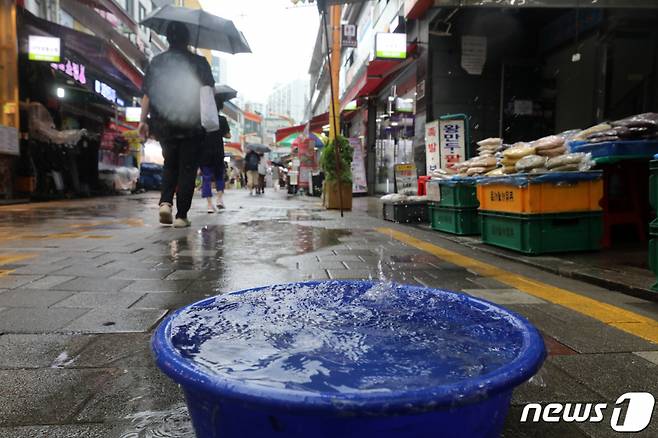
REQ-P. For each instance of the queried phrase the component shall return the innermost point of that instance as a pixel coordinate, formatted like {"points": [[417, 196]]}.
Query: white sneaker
{"points": [[182, 223], [165, 214]]}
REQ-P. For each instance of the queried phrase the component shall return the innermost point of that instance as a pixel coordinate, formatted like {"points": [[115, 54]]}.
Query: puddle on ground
{"points": [[304, 215], [262, 241], [174, 423]]}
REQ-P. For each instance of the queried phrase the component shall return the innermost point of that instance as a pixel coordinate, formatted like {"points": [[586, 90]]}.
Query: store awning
{"points": [[548, 4], [374, 77], [414, 9], [287, 131], [369, 81], [319, 121], [316, 124], [113, 8], [233, 150], [98, 54]]}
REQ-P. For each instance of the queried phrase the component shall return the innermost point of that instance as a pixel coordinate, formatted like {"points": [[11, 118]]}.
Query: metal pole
{"points": [[333, 78]]}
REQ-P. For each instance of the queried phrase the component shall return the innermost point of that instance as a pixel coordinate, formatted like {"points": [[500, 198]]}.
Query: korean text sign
{"points": [[452, 140], [432, 152]]}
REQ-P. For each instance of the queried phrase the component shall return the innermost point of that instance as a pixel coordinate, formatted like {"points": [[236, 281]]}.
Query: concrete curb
{"points": [[574, 271]]}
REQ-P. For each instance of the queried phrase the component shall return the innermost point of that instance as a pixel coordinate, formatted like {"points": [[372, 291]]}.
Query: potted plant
{"points": [[337, 175]]}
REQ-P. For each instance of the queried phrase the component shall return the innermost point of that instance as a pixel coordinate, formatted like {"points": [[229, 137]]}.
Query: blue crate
{"points": [[635, 148]]}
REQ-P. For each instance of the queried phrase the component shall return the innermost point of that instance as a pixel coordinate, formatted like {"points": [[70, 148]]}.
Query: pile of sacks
{"points": [[532, 157], [638, 127], [394, 198], [486, 160]]}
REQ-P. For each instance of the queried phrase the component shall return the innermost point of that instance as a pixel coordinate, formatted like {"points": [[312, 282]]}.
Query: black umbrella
{"points": [[258, 148], [207, 31], [224, 92]]}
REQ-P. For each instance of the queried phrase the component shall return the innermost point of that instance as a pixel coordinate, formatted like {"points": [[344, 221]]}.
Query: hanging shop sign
{"points": [[432, 151], [133, 114], [42, 48], [420, 90], [9, 140], [452, 140], [348, 35], [108, 93], [359, 182], [105, 90], [73, 70], [406, 179], [474, 54], [391, 45], [404, 105]]}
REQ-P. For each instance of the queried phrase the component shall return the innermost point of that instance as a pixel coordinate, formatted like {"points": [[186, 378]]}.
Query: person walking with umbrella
{"points": [[212, 161], [172, 95], [172, 88], [251, 162]]}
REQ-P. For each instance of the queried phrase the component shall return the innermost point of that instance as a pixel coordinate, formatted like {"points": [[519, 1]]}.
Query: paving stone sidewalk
{"points": [[84, 283]]}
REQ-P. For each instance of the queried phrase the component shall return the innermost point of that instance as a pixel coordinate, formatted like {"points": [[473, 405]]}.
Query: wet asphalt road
{"points": [[84, 283]]}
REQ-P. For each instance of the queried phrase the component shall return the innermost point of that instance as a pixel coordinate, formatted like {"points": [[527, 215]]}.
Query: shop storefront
{"points": [[539, 125], [9, 113], [76, 134]]}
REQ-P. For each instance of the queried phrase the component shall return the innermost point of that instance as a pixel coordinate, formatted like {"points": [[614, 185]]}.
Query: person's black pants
{"points": [[181, 161]]}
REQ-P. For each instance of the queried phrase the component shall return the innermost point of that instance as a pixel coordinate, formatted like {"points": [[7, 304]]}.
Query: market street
{"points": [[84, 283]]}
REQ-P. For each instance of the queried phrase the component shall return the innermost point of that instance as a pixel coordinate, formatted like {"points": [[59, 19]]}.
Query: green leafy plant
{"points": [[328, 160]]}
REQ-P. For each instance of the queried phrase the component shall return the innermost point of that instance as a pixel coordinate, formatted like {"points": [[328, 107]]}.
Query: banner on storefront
{"points": [[359, 182], [452, 140], [406, 179], [432, 151]]}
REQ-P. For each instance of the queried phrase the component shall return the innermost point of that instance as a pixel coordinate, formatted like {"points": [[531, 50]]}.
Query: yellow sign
{"points": [[9, 108]]}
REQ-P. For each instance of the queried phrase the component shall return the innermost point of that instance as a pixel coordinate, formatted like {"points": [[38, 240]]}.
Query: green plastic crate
{"points": [[460, 221], [653, 184], [543, 233], [653, 228], [653, 259], [405, 212], [460, 195]]}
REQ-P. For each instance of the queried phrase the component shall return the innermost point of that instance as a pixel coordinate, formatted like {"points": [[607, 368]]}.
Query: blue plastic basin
{"points": [[347, 359]]}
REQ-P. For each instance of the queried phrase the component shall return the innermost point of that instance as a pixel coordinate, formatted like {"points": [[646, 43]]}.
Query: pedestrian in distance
{"points": [[262, 172], [212, 162], [171, 113], [251, 161]]}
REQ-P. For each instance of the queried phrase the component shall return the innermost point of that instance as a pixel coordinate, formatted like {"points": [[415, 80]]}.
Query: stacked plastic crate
{"points": [[653, 227], [544, 213], [454, 209]]}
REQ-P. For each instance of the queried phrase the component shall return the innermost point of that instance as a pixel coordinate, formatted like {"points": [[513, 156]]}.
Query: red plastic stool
{"points": [[628, 180], [422, 180]]}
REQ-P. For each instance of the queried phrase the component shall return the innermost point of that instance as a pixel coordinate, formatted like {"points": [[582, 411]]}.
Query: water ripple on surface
{"points": [[174, 423], [338, 339]]}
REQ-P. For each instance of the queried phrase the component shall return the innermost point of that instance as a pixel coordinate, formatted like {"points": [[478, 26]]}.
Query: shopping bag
{"points": [[209, 112]]}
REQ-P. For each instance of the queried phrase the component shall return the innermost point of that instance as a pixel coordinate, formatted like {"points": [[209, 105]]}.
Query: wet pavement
{"points": [[84, 283]]}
